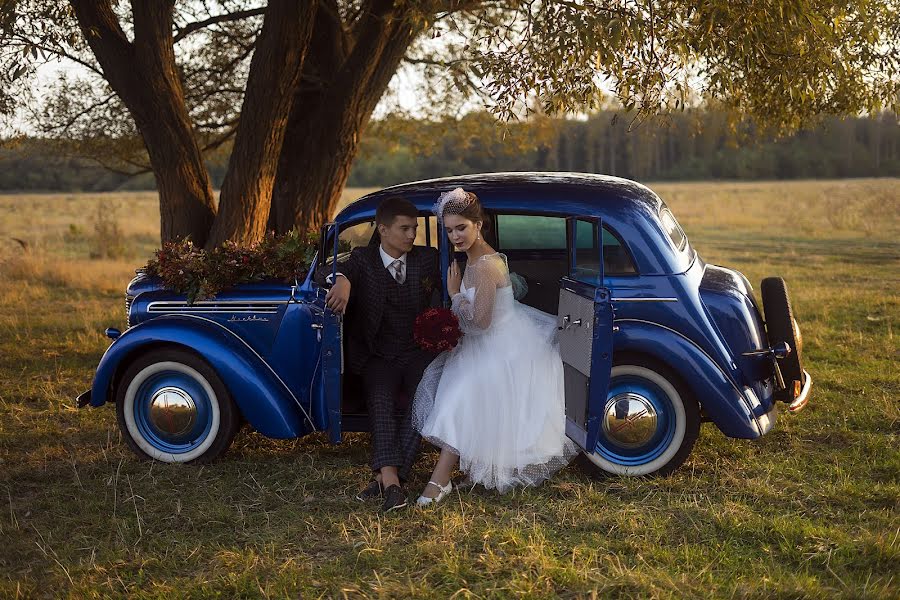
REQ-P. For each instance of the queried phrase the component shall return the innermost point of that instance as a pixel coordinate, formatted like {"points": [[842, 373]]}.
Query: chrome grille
{"points": [[128, 301]]}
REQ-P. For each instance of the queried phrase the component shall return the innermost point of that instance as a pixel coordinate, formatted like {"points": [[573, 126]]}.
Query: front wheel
{"points": [[649, 424], [171, 406]]}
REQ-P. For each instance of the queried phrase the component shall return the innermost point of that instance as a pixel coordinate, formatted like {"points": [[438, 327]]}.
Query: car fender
{"points": [[262, 397], [735, 413]]}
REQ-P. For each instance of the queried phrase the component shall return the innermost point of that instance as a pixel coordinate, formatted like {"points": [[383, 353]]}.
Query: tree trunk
{"points": [[330, 111], [275, 69], [144, 76], [613, 148]]}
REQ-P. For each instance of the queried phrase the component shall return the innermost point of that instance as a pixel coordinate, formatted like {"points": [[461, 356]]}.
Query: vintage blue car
{"points": [[654, 340]]}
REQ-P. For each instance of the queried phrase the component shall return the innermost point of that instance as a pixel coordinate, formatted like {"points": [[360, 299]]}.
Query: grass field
{"points": [[810, 511]]}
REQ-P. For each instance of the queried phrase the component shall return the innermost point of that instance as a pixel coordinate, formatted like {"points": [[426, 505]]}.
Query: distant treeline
{"points": [[687, 146]]}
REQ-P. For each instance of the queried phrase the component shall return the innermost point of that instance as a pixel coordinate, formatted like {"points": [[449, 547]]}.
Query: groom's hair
{"points": [[393, 207]]}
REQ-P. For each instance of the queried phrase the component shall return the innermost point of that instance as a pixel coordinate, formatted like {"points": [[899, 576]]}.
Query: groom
{"points": [[390, 284]]}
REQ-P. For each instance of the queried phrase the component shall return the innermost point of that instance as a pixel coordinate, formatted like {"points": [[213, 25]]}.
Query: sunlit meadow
{"points": [[810, 511]]}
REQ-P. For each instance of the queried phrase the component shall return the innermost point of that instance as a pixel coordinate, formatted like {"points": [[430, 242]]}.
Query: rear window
{"points": [[673, 229]]}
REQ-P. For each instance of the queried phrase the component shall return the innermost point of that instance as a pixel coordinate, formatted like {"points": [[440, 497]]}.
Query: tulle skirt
{"points": [[497, 400]]}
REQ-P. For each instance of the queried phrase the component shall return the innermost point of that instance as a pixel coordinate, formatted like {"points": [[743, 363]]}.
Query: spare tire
{"points": [[782, 327]]}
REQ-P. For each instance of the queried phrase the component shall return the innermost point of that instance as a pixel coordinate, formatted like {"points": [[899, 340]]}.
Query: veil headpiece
{"points": [[454, 201]]}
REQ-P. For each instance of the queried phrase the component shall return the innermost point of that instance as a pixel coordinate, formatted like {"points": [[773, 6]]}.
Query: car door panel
{"points": [[585, 322], [332, 359]]}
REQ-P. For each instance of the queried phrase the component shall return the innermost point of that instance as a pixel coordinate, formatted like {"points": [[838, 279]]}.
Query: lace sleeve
{"points": [[475, 310]]}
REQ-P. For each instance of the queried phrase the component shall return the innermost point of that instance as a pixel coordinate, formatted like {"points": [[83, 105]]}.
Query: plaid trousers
{"points": [[394, 441]]}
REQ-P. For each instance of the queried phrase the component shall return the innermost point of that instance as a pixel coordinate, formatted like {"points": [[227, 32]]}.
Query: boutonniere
{"points": [[427, 285]]}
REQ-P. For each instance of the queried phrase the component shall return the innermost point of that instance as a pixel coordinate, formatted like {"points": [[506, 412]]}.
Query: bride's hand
{"points": [[454, 279]]}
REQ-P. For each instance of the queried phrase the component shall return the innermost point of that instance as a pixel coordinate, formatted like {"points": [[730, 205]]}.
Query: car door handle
{"points": [[568, 322]]}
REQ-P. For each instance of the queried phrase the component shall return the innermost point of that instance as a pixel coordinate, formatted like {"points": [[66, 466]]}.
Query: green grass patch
{"points": [[812, 510]]}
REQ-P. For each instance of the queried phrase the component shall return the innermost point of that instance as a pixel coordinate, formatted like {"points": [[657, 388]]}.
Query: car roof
{"points": [[626, 207], [549, 192]]}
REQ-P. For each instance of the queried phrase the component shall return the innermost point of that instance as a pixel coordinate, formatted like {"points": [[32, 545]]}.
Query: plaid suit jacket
{"points": [[365, 271]]}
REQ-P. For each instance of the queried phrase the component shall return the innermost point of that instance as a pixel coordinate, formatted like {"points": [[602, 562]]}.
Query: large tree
{"points": [[292, 84]]}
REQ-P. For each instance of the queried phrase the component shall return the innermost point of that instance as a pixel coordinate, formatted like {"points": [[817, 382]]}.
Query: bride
{"points": [[495, 403]]}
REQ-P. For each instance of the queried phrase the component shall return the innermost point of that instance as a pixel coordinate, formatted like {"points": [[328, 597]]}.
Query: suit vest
{"points": [[395, 337]]}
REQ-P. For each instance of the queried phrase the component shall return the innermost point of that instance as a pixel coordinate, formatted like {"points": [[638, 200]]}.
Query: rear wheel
{"points": [[650, 423], [171, 406], [782, 327]]}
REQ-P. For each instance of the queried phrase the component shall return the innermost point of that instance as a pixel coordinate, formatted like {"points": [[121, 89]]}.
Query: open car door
{"points": [[332, 343], [585, 323]]}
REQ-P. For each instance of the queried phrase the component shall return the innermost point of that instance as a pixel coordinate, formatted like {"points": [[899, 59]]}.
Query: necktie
{"points": [[398, 270]]}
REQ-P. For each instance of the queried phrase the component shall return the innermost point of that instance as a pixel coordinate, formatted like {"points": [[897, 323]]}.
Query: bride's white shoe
{"points": [[443, 492]]}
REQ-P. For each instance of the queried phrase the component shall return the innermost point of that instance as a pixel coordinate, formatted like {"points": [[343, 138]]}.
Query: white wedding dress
{"points": [[497, 399]]}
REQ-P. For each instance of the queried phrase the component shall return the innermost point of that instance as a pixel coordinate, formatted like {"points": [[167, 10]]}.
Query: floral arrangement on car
{"points": [[201, 274], [437, 330]]}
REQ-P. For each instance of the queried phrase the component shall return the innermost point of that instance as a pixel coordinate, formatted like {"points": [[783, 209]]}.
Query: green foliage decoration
{"points": [[200, 274]]}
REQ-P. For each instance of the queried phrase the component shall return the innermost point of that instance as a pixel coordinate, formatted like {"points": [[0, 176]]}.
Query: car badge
{"points": [[250, 319]]}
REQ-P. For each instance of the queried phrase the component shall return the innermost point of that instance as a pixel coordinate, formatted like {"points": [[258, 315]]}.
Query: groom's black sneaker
{"points": [[373, 490], [394, 498]]}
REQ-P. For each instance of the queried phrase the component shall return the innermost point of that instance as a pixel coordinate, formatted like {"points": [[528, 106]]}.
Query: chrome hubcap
{"points": [[629, 420], [172, 411]]}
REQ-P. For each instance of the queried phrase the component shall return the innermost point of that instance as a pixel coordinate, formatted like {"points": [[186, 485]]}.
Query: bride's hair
{"points": [[462, 203]]}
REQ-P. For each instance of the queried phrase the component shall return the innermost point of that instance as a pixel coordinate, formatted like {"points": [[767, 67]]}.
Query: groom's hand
{"points": [[337, 297]]}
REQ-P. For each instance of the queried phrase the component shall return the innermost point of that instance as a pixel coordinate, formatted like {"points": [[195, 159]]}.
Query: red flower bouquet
{"points": [[437, 330]]}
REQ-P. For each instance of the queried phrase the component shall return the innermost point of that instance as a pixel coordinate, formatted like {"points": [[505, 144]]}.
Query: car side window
{"points": [[358, 235], [531, 232], [616, 260], [426, 224], [587, 256], [536, 248], [361, 234]]}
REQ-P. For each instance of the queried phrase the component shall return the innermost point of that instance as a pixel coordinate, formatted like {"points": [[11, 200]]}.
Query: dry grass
{"points": [[810, 511]]}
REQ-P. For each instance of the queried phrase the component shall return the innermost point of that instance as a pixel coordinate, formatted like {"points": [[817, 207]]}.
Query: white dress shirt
{"points": [[387, 259]]}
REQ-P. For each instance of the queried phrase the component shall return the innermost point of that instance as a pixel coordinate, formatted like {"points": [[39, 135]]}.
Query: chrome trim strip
{"points": [[249, 347], [643, 299], [215, 302], [216, 307], [189, 311], [705, 353]]}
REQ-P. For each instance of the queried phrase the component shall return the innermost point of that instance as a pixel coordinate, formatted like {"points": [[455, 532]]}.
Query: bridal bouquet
{"points": [[437, 330]]}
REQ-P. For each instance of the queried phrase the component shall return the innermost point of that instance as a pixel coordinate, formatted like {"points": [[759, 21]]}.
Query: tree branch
{"points": [[218, 142], [98, 20], [433, 62], [61, 54], [217, 125], [374, 26], [84, 111], [141, 167], [224, 18]]}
